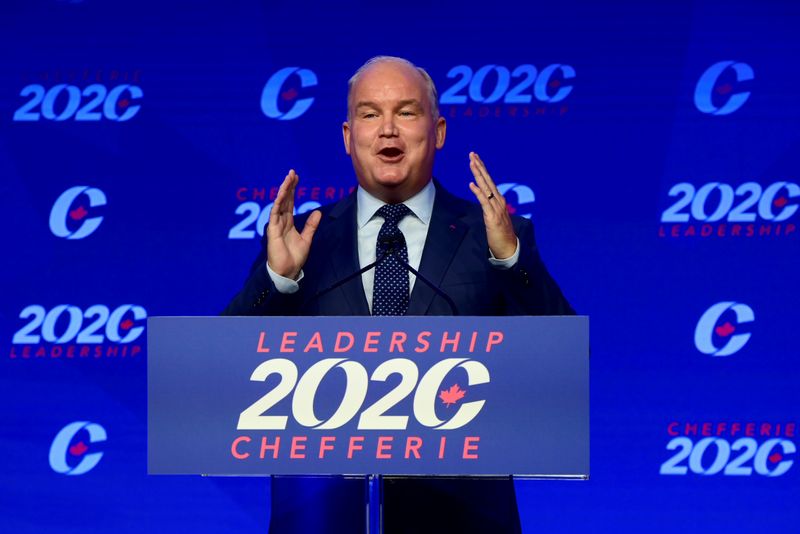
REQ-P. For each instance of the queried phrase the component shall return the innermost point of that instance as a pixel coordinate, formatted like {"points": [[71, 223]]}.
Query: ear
{"points": [[346, 136], [441, 132]]}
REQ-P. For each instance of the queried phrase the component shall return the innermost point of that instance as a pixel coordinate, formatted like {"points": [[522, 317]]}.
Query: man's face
{"points": [[391, 135]]}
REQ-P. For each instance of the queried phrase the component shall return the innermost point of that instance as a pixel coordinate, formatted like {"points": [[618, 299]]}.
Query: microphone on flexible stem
{"points": [[391, 246], [346, 279]]}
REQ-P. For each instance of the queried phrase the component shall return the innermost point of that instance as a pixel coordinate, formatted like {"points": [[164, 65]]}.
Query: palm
{"points": [[287, 249], [499, 229]]}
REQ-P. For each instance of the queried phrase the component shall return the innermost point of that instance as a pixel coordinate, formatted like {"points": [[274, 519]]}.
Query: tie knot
{"points": [[393, 213]]}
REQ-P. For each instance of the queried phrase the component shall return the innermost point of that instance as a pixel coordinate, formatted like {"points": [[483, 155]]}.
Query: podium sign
{"points": [[363, 395]]}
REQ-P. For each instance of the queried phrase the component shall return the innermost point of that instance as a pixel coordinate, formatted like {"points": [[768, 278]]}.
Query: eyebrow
{"points": [[402, 103]]}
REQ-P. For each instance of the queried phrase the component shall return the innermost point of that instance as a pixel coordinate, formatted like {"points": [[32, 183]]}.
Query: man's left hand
{"points": [[499, 230]]}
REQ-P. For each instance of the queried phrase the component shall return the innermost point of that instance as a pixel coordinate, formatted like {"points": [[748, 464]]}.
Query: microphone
{"points": [[391, 245], [346, 279]]}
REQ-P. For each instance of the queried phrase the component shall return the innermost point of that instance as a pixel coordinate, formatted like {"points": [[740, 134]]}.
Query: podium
{"points": [[369, 396]]}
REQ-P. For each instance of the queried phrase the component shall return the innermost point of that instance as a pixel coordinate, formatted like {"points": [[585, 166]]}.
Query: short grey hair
{"points": [[433, 94]]}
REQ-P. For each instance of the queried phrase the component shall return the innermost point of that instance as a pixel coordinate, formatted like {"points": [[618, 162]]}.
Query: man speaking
{"points": [[473, 259]]}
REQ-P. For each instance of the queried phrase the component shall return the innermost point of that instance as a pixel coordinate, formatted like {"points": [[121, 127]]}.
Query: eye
{"points": [[407, 113]]}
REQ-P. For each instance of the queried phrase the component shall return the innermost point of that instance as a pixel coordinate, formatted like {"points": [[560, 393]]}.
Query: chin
{"points": [[391, 179]]}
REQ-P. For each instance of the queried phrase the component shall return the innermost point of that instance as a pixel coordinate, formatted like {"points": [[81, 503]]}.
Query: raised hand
{"points": [[287, 249], [499, 230]]}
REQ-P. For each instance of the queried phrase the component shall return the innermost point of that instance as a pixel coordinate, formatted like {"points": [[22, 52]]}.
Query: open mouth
{"points": [[390, 154]]}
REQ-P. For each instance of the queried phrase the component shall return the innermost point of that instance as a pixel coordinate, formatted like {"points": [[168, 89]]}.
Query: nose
{"points": [[388, 126]]}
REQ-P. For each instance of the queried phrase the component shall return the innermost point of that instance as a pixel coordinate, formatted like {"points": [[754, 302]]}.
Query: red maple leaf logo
{"points": [[126, 324], [452, 395], [124, 103], [725, 330], [78, 449], [780, 202], [775, 457], [724, 89], [289, 94], [554, 83], [511, 209], [78, 213]]}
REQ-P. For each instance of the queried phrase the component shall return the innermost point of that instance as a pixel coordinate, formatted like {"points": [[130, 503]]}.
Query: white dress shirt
{"points": [[414, 227]]}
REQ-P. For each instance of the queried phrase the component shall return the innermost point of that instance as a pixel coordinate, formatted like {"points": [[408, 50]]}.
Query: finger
{"points": [[280, 198], [275, 212], [485, 174], [476, 173], [484, 189], [292, 186], [497, 198], [485, 203], [281, 219], [312, 223]]}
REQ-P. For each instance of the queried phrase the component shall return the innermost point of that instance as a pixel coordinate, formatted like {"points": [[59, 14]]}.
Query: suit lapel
{"points": [[445, 234], [343, 253]]}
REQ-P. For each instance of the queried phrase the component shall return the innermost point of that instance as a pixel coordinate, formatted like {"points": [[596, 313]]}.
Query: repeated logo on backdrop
{"points": [[516, 91], [718, 89], [720, 210], [71, 332], [73, 449], [70, 216], [718, 332], [735, 448], [81, 95], [282, 97]]}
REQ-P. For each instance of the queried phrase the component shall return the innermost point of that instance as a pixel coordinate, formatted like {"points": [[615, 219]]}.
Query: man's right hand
{"points": [[287, 249]]}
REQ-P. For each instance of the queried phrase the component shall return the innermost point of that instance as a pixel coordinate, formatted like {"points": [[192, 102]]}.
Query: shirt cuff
{"points": [[507, 263], [282, 284]]}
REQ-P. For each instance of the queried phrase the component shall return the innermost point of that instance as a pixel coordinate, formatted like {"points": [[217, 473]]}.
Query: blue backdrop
{"points": [[654, 144]]}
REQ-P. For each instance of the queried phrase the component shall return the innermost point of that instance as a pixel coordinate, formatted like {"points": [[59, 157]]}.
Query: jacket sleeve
{"points": [[259, 296], [528, 289]]}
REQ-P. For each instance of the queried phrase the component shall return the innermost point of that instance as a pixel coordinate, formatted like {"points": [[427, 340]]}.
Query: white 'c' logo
{"points": [[61, 210], [706, 83], [272, 91], [707, 326], [60, 448]]}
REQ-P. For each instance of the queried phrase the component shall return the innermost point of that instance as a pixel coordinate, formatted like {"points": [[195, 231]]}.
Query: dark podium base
{"points": [[411, 505]]}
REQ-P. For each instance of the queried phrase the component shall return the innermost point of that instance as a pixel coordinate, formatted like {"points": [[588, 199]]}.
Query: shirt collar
{"points": [[421, 204]]}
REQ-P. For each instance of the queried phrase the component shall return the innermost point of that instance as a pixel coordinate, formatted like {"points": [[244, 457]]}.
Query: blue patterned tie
{"points": [[390, 295]]}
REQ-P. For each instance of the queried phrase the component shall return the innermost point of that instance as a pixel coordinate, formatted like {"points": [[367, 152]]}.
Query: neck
{"points": [[394, 195]]}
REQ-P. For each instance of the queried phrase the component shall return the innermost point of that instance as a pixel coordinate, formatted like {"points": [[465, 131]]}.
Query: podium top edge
{"points": [[393, 317]]}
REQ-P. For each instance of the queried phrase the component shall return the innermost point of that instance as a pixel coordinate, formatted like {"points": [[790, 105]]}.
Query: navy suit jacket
{"points": [[455, 258]]}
